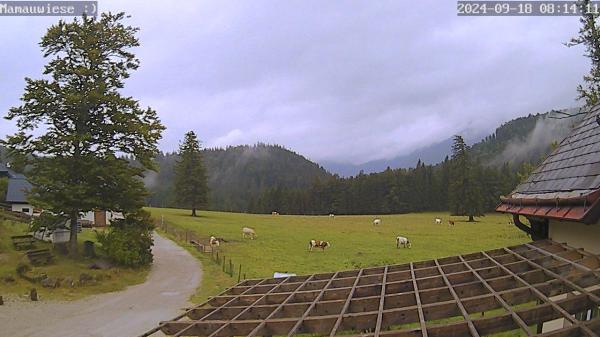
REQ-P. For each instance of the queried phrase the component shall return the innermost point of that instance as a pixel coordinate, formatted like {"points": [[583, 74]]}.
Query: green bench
{"points": [[22, 241], [39, 256]]}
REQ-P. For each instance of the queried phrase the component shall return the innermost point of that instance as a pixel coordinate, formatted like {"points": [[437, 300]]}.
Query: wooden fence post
{"points": [[240, 273], [230, 268], [223, 263]]}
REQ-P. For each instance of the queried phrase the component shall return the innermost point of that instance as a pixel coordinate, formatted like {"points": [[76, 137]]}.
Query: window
{"points": [[25, 210]]}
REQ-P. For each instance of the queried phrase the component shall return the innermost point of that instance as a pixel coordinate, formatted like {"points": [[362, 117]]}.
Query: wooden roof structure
{"points": [[566, 185], [478, 294]]}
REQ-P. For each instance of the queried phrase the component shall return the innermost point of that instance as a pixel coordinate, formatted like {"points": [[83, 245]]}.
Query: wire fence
{"points": [[202, 245]]}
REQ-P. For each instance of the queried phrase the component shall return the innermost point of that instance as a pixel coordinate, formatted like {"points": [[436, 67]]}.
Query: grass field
{"points": [[282, 241], [63, 266]]}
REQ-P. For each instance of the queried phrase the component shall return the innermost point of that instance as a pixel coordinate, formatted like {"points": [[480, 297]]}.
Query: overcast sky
{"points": [[343, 81]]}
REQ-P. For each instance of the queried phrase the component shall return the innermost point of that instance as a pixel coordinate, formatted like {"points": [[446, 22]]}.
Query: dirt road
{"points": [[174, 276]]}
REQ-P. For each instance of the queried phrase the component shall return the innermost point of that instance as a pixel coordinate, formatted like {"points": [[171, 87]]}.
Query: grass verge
{"points": [[113, 279]]}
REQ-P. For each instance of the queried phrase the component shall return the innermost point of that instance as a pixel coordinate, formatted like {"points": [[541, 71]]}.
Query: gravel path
{"points": [[174, 276]]}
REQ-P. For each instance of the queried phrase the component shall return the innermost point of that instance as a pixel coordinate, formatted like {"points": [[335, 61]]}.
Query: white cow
{"points": [[438, 221], [376, 222], [248, 232], [401, 240], [331, 215]]}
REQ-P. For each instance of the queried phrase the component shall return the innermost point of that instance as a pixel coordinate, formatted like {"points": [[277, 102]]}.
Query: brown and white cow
{"points": [[318, 244], [451, 223]]}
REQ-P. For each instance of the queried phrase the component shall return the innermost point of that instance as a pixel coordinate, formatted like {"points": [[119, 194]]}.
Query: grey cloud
{"points": [[346, 81]]}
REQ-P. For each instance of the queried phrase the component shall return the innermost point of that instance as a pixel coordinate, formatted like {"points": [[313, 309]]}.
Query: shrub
{"points": [[128, 241], [22, 268]]}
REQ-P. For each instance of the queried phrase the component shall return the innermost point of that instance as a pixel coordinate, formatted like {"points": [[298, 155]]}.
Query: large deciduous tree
{"points": [[191, 188], [75, 126], [465, 196]]}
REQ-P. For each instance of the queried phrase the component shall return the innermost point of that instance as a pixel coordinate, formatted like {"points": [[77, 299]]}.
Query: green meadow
{"points": [[282, 242]]}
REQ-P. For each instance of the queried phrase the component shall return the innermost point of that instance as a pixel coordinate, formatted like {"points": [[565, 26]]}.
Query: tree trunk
{"points": [[193, 211], [73, 237], [471, 218]]}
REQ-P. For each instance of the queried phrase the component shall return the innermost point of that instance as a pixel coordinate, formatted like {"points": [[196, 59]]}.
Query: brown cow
{"points": [[318, 244]]}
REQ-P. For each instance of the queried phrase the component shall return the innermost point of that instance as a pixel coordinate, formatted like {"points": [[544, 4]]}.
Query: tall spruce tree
{"points": [[190, 175], [589, 36], [74, 124], [464, 192]]}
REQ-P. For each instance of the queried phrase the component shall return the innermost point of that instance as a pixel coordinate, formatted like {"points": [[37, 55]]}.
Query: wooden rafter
{"points": [[513, 288]]}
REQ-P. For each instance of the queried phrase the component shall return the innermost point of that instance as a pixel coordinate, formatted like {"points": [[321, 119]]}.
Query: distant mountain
{"points": [[527, 138], [238, 175], [522, 139], [432, 154]]}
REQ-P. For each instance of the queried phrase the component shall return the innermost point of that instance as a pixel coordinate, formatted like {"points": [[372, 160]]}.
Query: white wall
{"points": [[110, 216], [20, 207], [576, 235]]}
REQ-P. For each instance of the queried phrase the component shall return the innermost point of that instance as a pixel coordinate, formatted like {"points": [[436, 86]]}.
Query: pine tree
{"points": [[74, 122], [589, 36], [190, 175], [464, 192]]}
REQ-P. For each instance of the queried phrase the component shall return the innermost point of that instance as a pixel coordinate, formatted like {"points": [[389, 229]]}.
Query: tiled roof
{"points": [[16, 192], [567, 184]]}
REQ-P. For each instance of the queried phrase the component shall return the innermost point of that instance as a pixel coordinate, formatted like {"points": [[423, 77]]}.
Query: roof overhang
{"points": [[584, 209], [506, 289]]}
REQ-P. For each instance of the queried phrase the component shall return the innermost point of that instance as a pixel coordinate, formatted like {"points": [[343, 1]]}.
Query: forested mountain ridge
{"points": [[499, 162], [262, 178], [528, 138], [238, 175], [515, 141]]}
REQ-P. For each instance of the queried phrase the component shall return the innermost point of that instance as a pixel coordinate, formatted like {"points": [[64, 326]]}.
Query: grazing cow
{"points": [[274, 213], [331, 215], [376, 222], [318, 244], [401, 240], [438, 221], [214, 242], [450, 223], [248, 232]]}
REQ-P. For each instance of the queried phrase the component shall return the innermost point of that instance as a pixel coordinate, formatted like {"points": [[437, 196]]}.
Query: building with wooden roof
{"points": [[561, 198]]}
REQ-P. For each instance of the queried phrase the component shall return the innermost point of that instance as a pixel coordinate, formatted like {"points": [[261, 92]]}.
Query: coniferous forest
{"points": [[264, 178]]}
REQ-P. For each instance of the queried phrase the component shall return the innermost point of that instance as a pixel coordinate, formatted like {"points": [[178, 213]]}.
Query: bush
{"points": [[22, 268], [128, 241]]}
